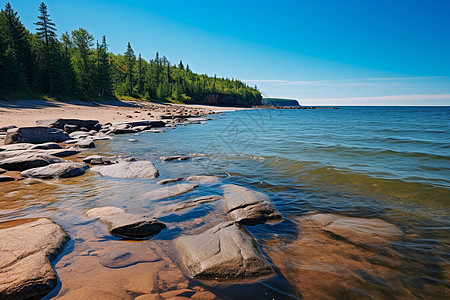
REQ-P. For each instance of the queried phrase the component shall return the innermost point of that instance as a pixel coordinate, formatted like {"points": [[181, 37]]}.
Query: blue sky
{"points": [[322, 52]]}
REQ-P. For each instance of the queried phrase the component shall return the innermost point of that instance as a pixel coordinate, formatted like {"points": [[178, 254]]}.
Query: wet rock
{"points": [[178, 294], [203, 179], [90, 292], [141, 128], [100, 160], [28, 161], [87, 143], [150, 297], [35, 135], [5, 178], [46, 146], [136, 169], [141, 123], [169, 180], [121, 258], [58, 170], [196, 201], [133, 140], [73, 123], [127, 225], [27, 251], [2, 171], [62, 152], [225, 251], [360, 231], [98, 212], [170, 191], [173, 157], [247, 206]]}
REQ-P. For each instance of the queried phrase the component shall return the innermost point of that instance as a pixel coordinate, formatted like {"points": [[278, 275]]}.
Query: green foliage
{"points": [[40, 64]]}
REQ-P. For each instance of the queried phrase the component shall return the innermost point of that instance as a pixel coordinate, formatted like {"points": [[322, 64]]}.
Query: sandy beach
{"points": [[27, 112]]}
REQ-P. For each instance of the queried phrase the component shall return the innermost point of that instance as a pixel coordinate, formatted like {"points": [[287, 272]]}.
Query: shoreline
{"points": [[22, 113]]}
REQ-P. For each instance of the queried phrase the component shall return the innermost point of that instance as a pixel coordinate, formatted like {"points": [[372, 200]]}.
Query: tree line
{"points": [[76, 65]]}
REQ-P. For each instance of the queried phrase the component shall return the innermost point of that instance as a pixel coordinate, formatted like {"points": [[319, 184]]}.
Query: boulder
{"points": [[225, 251], [100, 160], [99, 212], [28, 161], [62, 152], [27, 251], [2, 171], [75, 123], [203, 179], [141, 123], [6, 128], [70, 128], [59, 170], [86, 143], [78, 135], [169, 180], [173, 157], [247, 206], [127, 225], [170, 191], [134, 169], [5, 178], [35, 135]]}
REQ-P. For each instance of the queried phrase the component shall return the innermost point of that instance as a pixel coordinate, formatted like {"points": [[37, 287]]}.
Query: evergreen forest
{"points": [[78, 66]]}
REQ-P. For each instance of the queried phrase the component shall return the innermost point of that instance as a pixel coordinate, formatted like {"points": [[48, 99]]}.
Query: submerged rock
{"points": [[125, 257], [35, 135], [247, 206], [135, 169], [225, 251], [28, 161], [170, 191], [27, 251], [59, 170], [366, 232], [122, 224], [203, 179]]}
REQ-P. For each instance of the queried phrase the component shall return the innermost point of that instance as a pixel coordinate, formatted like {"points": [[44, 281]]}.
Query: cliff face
{"points": [[226, 100], [279, 102]]}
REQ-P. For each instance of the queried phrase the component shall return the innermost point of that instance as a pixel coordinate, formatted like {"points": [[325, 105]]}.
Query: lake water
{"points": [[388, 163]]}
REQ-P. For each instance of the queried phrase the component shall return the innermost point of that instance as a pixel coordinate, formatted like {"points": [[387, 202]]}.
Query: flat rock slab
{"points": [[248, 207], [46, 146], [174, 157], [360, 231], [223, 252], [170, 191], [126, 256], [27, 251], [14, 147], [125, 225], [169, 180], [196, 201], [59, 170], [35, 135], [28, 161], [4, 178], [203, 179], [135, 169]]}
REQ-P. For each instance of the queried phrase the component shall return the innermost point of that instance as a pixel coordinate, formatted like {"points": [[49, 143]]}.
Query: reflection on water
{"points": [[351, 164]]}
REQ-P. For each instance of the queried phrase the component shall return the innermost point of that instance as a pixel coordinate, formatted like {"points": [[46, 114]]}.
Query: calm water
{"points": [[390, 163]]}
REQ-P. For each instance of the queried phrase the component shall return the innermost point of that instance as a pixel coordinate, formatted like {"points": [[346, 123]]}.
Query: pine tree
{"points": [[140, 75], [17, 38], [130, 60], [83, 41], [103, 72], [180, 65], [46, 31]]}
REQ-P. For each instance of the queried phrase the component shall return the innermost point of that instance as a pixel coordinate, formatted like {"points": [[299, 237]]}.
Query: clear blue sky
{"points": [[352, 52]]}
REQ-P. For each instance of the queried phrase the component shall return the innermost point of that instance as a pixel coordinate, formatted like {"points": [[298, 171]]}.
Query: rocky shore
{"points": [[224, 252]]}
